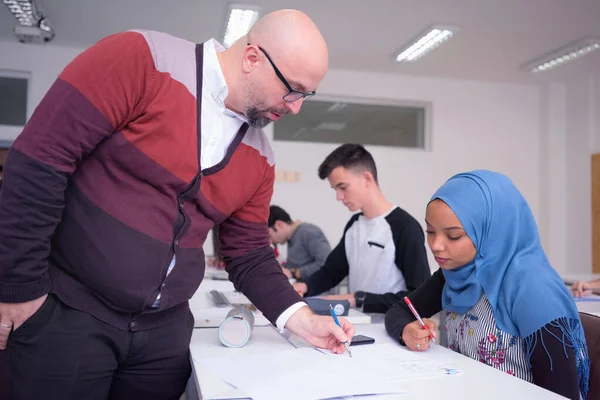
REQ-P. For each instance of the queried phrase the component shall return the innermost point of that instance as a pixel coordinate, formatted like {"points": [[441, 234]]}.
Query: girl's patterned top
{"points": [[476, 335]]}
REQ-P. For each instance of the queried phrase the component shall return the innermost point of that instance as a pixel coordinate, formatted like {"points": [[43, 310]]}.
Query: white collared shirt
{"points": [[219, 125]]}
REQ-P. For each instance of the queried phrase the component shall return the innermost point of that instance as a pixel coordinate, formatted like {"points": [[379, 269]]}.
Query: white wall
{"points": [[475, 125], [573, 139], [553, 141], [43, 63]]}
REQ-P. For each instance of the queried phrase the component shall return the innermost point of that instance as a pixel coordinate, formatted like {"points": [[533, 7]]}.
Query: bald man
{"points": [[144, 143]]}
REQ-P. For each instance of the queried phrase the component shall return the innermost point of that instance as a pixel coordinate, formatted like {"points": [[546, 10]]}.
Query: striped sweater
{"points": [[103, 188]]}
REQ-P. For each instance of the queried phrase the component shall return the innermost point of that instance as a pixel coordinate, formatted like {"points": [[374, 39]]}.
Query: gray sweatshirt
{"points": [[307, 250]]}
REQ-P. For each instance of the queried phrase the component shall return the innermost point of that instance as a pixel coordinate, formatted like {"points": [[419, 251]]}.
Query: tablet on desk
{"points": [[320, 306]]}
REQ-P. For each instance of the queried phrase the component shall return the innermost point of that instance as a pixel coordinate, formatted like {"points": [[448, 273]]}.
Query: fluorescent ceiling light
{"points": [[23, 10], [336, 107], [239, 22], [424, 43], [565, 54], [330, 126], [33, 26]]}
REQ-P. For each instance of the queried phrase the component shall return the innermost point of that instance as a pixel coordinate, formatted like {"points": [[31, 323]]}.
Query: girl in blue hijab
{"points": [[504, 304]]}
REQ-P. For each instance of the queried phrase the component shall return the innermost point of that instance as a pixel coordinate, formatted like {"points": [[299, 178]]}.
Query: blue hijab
{"points": [[510, 266]]}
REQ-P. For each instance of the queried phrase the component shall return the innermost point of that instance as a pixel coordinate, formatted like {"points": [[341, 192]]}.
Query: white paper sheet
{"points": [[396, 364], [301, 374], [591, 297], [306, 373]]}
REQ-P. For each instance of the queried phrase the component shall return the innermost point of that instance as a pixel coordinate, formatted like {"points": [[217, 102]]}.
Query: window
{"points": [[396, 125], [13, 98]]}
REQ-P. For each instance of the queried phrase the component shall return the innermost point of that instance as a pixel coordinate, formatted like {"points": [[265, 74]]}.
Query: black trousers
{"points": [[62, 353]]}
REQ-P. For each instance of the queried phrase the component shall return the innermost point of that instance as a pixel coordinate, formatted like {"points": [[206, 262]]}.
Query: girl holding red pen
{"points": [[501, 301]]}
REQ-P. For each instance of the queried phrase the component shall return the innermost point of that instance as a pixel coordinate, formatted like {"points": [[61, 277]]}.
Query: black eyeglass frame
{"points": [[293, 94]]}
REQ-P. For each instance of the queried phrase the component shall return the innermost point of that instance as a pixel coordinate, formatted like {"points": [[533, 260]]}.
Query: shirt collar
{"points": [[213, 78]]}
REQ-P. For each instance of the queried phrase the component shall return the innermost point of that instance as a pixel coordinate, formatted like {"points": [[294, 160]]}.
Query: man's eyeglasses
{"points": [[292, 94]]}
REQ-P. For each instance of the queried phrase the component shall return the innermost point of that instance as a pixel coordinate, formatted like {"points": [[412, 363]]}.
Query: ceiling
{"points": [[494, 39]]}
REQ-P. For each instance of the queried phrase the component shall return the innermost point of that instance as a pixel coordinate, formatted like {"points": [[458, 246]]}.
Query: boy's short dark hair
{"points": [[277, 213], [349, 156]]}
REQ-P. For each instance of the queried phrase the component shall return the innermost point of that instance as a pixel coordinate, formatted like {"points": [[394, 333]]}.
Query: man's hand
{"points": [[580, 289], [287, 272], [13, 315], [350, 297], [301, 288], [320, 331], [214, 262]]}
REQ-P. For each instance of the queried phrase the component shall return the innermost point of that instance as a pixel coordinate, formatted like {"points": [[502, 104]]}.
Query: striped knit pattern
{"points": [[476, 336], [103, 187]]}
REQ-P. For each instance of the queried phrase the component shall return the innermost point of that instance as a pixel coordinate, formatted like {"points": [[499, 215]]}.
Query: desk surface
{"points": [[477, 381], [207, 315], [590, 307]]}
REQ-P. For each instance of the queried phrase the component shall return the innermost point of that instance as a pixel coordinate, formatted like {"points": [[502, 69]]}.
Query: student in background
{"points": [[382, 250], [307, 246], [504, 304], [580, 289]]}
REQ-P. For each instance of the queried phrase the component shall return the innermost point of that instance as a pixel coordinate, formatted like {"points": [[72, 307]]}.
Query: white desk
{"points": [[207, 315], [477, 381], [590, 307]]}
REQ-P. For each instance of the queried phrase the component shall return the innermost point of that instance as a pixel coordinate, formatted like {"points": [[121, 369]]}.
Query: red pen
{"points": [[417, 316]]}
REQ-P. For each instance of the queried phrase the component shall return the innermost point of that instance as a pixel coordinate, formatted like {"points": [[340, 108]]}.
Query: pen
{"points": [[335, 318], [417, 316]]}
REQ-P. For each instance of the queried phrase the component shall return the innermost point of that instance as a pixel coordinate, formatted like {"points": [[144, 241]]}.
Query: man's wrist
{"points": [[287, 315], [296, 323], [359, 298]]}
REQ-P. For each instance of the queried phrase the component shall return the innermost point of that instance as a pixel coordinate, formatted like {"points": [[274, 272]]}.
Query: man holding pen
{"points": [[142, 145]]}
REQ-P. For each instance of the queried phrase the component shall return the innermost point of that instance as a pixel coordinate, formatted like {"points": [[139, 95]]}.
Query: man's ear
{"points": [[278, 225], [368, 177], [250, 58]]}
